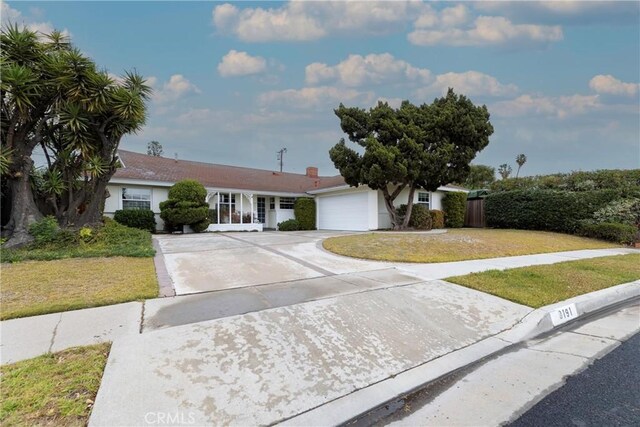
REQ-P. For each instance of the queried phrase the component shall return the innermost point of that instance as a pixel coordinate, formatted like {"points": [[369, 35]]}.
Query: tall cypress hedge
{"points": [[455, 206], [305, 211], [549, 210]]}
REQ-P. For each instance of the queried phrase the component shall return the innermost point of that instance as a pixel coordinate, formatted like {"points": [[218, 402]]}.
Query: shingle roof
{"points": [[149, 168]]}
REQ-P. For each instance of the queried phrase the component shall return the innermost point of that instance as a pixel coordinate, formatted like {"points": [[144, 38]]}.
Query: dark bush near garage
{"points": [[611, 231], [420, 217], [144, 219], [186, 206], [549, 210], [289, 225], [305, 212], [455, 205], [437, 218]]}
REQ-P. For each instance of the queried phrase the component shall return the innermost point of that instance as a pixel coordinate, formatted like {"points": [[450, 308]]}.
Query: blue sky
{"points": [[235, 82]]}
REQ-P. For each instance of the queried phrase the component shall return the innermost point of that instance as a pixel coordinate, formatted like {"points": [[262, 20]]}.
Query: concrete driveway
{"points": [[217, 261]]}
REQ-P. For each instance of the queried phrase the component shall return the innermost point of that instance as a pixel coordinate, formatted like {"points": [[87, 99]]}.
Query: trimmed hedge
{"points": [[611, 231], [437, 218], [144, 219], [549, 210], [305, 212], [289, 225], [420, 217], [455, 206]]}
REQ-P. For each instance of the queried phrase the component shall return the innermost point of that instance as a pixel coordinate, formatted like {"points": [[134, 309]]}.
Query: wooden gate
{"points": [[474, 216]]}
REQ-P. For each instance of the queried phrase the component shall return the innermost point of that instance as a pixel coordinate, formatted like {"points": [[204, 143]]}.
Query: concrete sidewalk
{"points": [[29, 337], [266, 367]]}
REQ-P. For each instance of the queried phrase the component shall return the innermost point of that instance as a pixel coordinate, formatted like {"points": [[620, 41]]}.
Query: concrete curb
{"points": [[165, 283], [536, 323]]}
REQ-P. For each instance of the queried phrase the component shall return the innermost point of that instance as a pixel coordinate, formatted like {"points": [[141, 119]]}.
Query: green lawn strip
{"points": [[39, 287], [54, 389], [542, 285], [456, 245], [112, 239]]}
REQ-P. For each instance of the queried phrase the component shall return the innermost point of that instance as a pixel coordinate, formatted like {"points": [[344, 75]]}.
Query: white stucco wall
{"points": [[384, 221]]}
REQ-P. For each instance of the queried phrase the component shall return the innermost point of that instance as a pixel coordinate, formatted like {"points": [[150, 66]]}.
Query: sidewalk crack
{"points": [[556, 352], [55, 332], [142, 317], [595, 336]]}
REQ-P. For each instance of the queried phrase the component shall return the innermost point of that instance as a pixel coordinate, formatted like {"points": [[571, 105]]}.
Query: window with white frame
{"points": [[287, 202], [272, 203], [423, 199], [136, 198]]}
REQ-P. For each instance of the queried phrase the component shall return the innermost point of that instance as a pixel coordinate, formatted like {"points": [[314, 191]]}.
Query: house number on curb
{"points": [[563, 314]]}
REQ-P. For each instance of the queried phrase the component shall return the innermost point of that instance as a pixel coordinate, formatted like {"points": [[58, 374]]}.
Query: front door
{"points": [[261, 209]]}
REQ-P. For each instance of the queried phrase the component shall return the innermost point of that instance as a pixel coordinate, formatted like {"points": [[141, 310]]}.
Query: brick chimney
{"points": [[312, 172]]}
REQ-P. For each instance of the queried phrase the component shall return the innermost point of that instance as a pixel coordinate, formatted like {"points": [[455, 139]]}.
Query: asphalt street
{"points": [[605, 394]]}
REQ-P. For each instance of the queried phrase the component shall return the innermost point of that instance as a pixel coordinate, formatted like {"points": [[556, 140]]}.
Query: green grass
{"points": [[456, 245], [52, 390], [542, 285], [111, 240], [31, 288]]}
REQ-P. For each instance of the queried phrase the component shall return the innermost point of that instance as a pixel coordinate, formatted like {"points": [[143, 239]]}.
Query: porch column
{"points": [[218, 196], [251, 202], [241, 211]]}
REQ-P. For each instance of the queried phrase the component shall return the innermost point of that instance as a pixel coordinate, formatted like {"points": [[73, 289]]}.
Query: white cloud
{"points": [[8, 15], [302, 21], [237, 63], [609, 85], [177, 87], [358, 70], [314, 97], [560, 107], [487, 30], [471, 83]]}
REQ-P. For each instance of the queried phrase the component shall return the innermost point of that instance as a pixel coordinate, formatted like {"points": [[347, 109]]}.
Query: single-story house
{"points": [[245, 199]]}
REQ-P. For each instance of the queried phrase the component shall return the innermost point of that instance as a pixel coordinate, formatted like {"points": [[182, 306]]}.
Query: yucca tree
{"points": [[53, 96], [521, 159]]}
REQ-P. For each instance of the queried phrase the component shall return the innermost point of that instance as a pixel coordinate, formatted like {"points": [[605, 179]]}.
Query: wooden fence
{"points": [[474, 216]]}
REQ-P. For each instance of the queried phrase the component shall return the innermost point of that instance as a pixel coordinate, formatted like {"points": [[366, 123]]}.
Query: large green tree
{"points": [[480, 176], [410, 147], [55, 98]]}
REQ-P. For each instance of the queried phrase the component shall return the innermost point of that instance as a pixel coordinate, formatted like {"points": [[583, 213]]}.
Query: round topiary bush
{"points": [[186, 206]]}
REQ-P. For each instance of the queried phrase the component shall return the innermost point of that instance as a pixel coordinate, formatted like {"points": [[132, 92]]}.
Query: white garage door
{"points": [[343, 212]]}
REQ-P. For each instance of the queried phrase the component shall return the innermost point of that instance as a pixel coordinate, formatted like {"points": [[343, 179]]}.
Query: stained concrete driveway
{"points": [[217, 261]]}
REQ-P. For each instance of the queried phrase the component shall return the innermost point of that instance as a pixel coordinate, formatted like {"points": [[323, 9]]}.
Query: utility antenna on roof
{"points": [[281, 156]]}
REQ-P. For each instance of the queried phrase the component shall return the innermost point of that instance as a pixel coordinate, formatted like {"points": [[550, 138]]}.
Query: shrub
{"points": [[289, 225], [305, 212], [437, 218], [188, 190], [625, 181], [186, 206], [144, 219], [45, 231], [455, 205], [623, 211], [611, 231], [420, 217], [549, 210]]}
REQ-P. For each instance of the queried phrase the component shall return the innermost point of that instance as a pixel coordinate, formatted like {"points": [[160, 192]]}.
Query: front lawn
{"points": [[52, 390], [456, 245], [38, 287], [542, 285]]}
